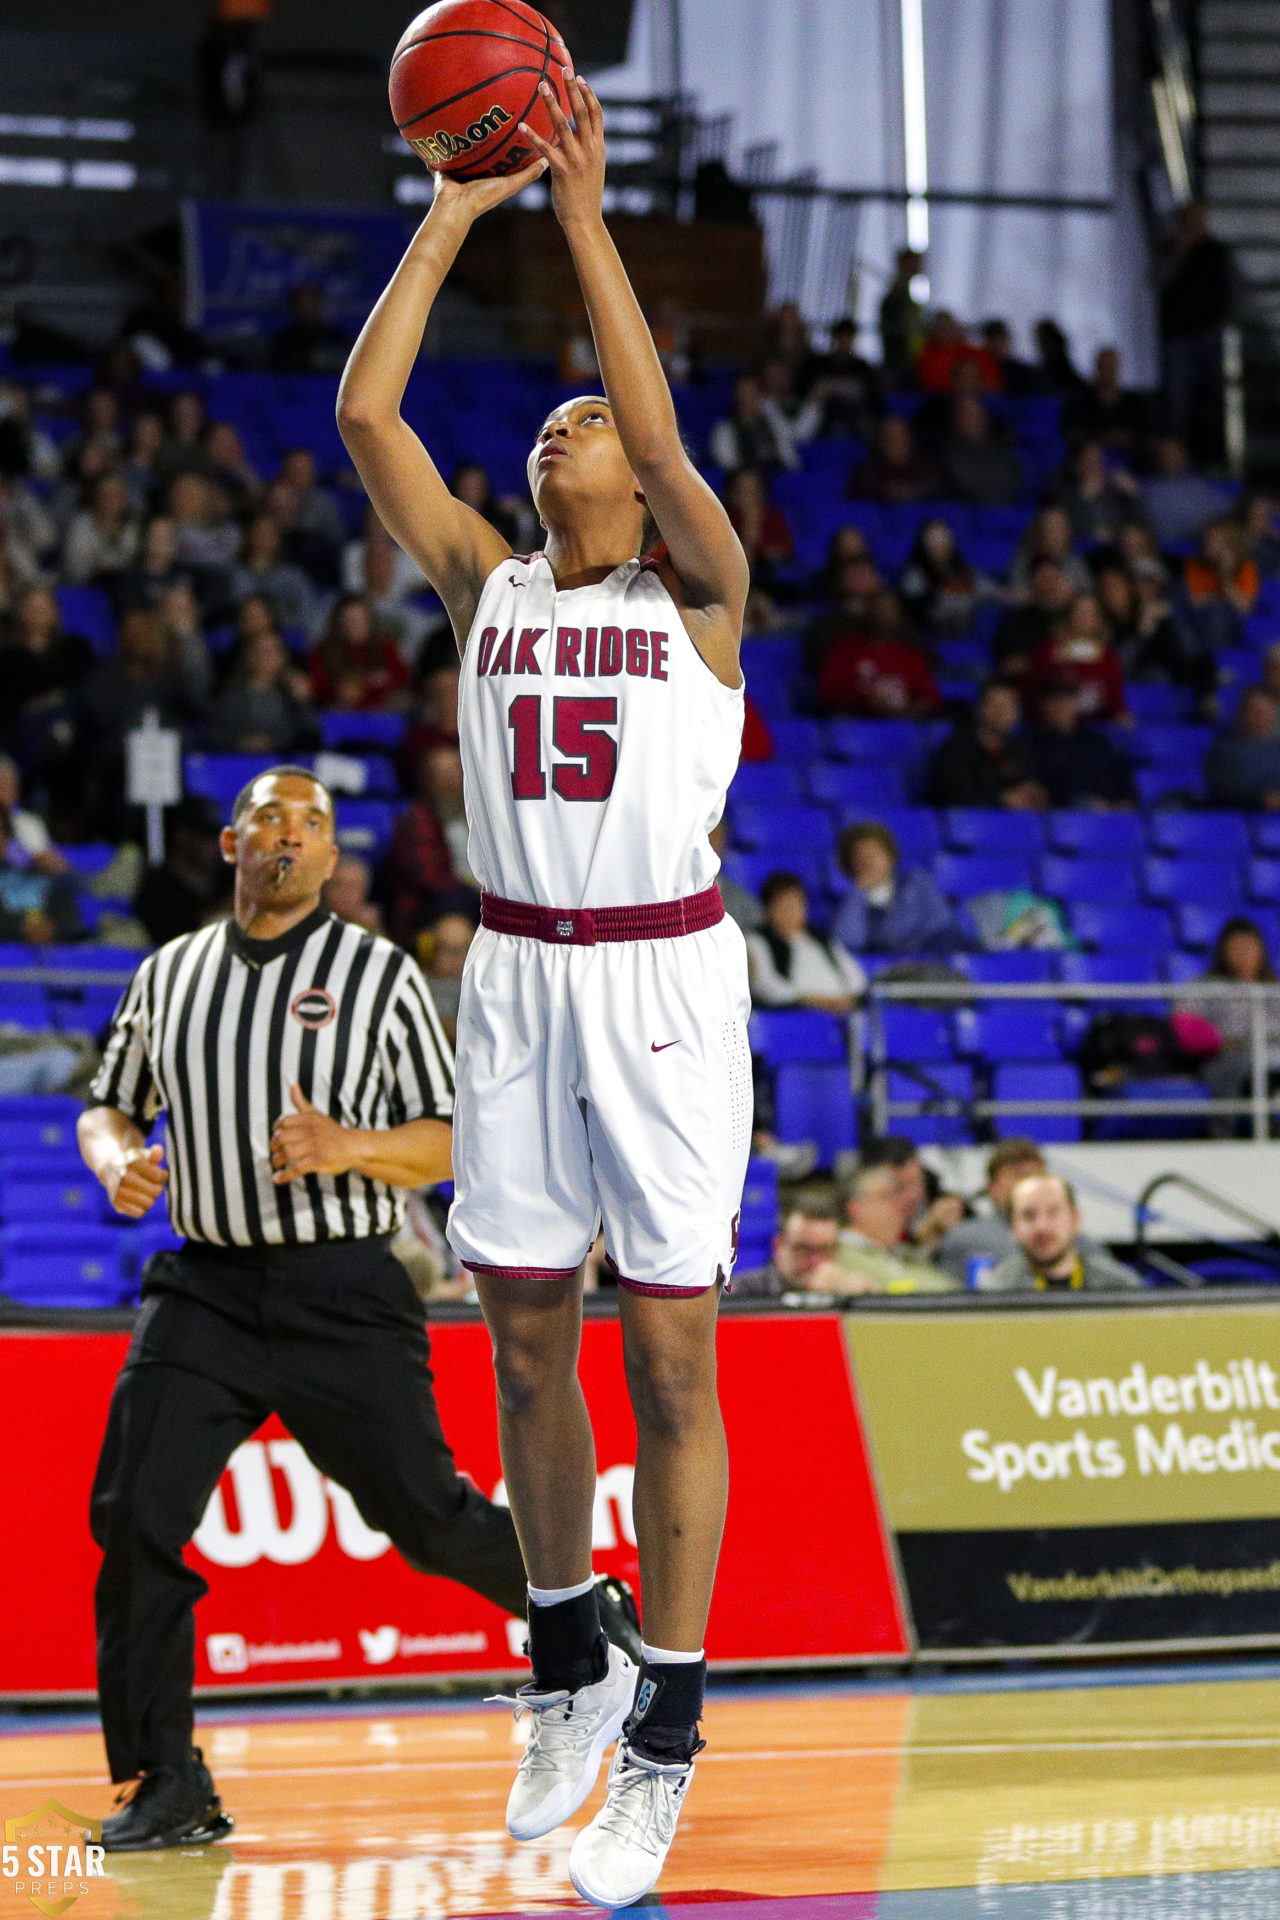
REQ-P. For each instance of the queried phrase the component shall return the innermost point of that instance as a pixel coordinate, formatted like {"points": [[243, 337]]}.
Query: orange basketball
{"points": [[465, 74]]}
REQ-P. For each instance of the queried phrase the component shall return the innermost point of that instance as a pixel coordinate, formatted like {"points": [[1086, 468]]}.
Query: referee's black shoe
{"points": [[619, 1615], [170, 1807]]}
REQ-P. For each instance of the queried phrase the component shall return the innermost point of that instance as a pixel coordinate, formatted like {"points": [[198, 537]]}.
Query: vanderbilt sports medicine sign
{"points": [[1084, 1475]]}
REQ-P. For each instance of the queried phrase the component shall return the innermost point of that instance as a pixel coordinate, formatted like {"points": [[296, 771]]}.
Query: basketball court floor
{"points": [[1122, 1795]]}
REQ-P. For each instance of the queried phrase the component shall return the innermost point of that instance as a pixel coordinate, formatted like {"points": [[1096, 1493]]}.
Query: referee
{"points": [[307, 1083]]}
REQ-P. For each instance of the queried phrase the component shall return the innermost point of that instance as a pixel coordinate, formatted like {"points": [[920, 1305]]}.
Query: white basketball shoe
{"points": [[619, 1855], [569, 1735]]}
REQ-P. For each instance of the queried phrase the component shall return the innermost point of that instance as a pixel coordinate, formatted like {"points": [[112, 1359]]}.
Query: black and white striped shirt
{"points": [[215, 1028]]}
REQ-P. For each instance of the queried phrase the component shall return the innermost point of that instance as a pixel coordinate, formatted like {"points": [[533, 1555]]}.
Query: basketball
{"points": [[465, 74]]}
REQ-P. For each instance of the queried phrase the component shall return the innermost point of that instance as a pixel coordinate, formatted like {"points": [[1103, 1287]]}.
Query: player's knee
{"points": [[526, 1371], [669, 1387]]}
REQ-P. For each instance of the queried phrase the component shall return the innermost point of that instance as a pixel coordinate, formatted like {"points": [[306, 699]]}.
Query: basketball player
{"points": [[603, 1066]]}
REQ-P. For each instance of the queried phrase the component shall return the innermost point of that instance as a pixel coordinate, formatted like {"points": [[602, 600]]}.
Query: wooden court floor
{"points": [[1139, 1801]]}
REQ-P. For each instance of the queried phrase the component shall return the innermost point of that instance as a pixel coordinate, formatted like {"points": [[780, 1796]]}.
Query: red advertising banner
{"points": [[302, 1591]]}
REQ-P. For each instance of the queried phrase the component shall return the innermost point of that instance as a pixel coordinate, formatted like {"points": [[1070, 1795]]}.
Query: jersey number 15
{"points": [[589, 755]]}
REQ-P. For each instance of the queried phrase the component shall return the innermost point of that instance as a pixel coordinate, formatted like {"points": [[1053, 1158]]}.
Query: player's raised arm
{"points": [[455, 547], [705, 553]]}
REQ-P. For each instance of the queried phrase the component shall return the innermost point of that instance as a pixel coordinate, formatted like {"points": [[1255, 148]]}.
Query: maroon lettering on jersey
{"points": [[610, 651], [637, 652], [568, 647], [487, 639], [529, 638], [589, 662], [657, 656], [502, 658]]}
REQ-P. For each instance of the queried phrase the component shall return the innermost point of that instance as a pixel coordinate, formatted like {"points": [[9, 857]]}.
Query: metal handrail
{"points": [[1142, 1214]]}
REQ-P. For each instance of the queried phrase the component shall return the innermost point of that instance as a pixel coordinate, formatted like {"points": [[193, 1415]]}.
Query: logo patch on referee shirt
{"points": [[314, 1008]]}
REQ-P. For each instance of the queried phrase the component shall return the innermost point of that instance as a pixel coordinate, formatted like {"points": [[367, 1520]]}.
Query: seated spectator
{"points": [[759, 524], [1017, 377], [844, 386], [435, 721], [230, 467], [1239, 953], [804, 1251], [945, 348], [179, 613], [938, 586], [1098, 499], [155, 569], [193, 886], [443, 950], [1048, 538], [740, 904], [1221, 584], [878, 672], [25, 447], [262, 569], [1050, 1255], [749, 436], [979, 467], [888, 911], [1073, 761], [426, 866], [312, 525], [1152, 640], [927, 1212], [144, 673], [1053, 355], [1104, 411], [895, 474], [846, 543], [42, 668], [1270, 681], [346, 893], [1178, 502], [28, 531], [30, 842], [857, 584], [471, 485], [1242, 767], [1079, 649], [308, 343], [874, 1256], [1256, 517], [801, 417], [355, 666], [102, 539], [142, 469], [986, 1236], [184, 442], [265, 706], [792, 967], [787, 339], [980, 763], [37, 908], [206, 536], [1022, 627]]}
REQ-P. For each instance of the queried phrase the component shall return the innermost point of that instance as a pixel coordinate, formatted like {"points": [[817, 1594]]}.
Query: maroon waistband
{"points": [[585, 926]]}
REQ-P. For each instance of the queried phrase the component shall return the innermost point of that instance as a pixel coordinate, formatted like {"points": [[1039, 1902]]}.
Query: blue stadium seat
{"points": [[15, 953], [1060, 1082], [369, 775], [342, 731], [1155, 700], [1209, 836], [87, 611], [758, 1221], [1020, 966], [1153, 1126], [1171, 743], [1112, 926], [1009, 1030], [947, 1088], [52, 1266], [25, 1004], [114, 960], [781, 1034], [364, 826], [767, 783], [1105, 836], [1264, 832], [815, 1102], [1154, 785], [33, 1123], [803, 829], [875, 740], [1107, 882], [751, 870], [796, 739], [1262, 880], [48, 1187], [90, 859], [1114, 966], [1199, 882], [842, 783], [82, 1009], [220, 776], [992, 830], [965, 874], [915, 1033], [1181, 966], [1199, 923]]}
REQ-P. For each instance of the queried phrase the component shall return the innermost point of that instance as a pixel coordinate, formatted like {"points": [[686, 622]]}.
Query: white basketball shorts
{"points": [[608, 1082]]}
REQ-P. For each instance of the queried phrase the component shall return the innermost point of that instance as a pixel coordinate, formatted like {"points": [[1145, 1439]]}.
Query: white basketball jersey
{"points": [[597, 744]]}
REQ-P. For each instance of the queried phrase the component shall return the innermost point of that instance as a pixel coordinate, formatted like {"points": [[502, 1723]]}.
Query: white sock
{"points": [[664, 1657], [552, 1596]]}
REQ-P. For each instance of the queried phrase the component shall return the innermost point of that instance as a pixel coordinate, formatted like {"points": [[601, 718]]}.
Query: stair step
{"points": [[1247, 226], [1240, 99], [1238, 16], [1240, 142], [1252, 59], [1242, 186]]}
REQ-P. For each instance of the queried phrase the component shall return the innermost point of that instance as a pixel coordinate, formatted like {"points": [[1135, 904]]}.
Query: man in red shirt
{"points": [[874, 670]]}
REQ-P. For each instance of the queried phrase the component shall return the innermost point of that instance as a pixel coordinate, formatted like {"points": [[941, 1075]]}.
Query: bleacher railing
{"points": [[1258, 1105]]}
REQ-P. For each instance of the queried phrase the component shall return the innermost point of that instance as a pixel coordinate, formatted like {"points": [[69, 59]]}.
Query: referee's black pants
{"points": [[331, 1338]]}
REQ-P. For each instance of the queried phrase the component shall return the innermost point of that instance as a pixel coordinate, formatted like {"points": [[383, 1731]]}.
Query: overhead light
{"points": [[915, 133]]}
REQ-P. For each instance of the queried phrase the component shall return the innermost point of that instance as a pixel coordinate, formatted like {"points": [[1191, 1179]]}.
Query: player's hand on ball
{"points": [[474, 197], [137, 1181], [576, 166], [307, 1141]]}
